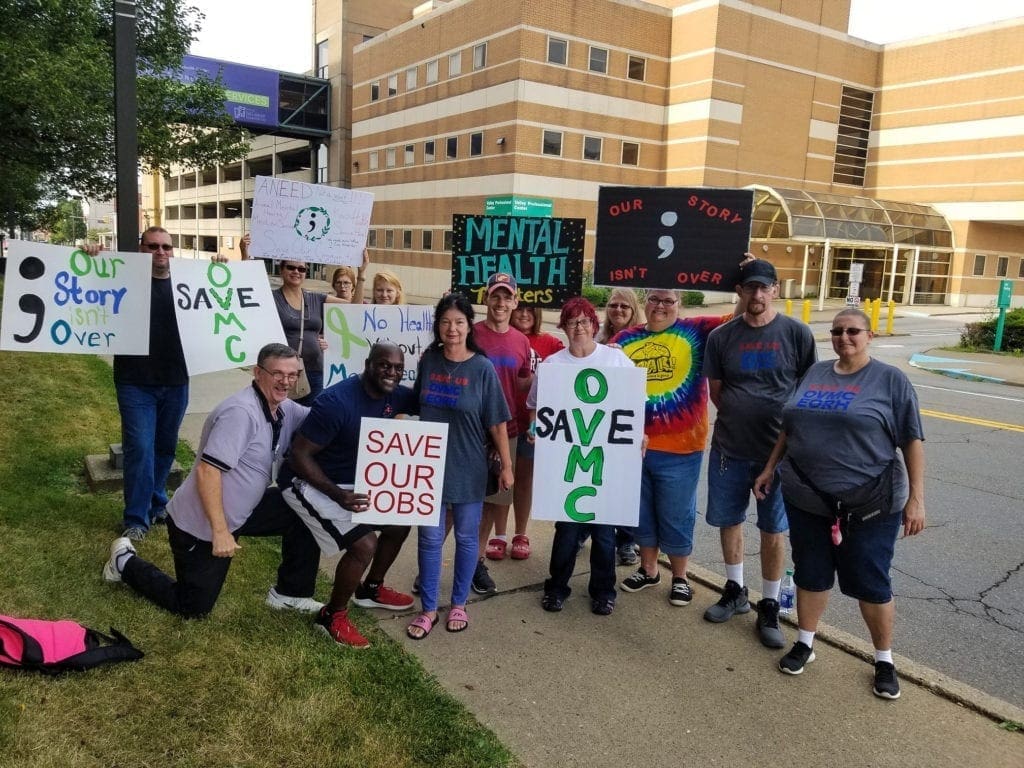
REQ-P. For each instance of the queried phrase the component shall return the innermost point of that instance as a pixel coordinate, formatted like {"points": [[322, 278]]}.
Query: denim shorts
{"points": [[862, 560], [668, 501], [730, 482], [524, 448]]}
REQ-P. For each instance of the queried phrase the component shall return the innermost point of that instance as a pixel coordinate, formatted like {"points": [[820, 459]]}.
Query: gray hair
{"points": [[280, 351]]}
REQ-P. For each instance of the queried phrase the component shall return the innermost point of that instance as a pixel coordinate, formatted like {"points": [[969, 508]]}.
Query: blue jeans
{"points": [[668, 501], [316, 386], [429, 543], [563, 559], [150, 418], [729, 487]]}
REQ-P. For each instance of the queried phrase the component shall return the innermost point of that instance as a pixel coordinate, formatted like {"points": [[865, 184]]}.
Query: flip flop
{"points": [[457, 614], [422, 622]]}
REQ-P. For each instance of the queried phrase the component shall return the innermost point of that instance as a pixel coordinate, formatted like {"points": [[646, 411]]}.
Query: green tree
{"points": [[57, 100], [66, 222]]}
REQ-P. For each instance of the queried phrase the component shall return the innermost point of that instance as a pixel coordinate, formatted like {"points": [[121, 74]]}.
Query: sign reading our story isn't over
{"points": [[544, 255], [671, 238]]}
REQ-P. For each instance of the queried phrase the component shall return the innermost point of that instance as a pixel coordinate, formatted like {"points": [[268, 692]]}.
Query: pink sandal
{"points": [[520, 546], [496, 549], [422, 622], [457, 614]]}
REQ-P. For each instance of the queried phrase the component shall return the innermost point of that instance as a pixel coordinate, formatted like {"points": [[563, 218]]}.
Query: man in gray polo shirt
{"points": [[225, 496]]}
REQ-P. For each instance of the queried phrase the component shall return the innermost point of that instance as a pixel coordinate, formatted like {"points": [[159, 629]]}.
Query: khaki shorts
{"points": [[505, 497]]}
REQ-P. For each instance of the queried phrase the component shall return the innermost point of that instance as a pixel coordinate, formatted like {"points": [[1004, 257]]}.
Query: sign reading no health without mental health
{"points": [[544, 255], [61, 299], [590, 428], [225, 313], [309, 222], [671, 238], [401, 468], [351, 329]]}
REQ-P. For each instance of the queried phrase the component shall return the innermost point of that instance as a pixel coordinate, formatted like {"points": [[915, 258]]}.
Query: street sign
{"points": [[1005, 294]]}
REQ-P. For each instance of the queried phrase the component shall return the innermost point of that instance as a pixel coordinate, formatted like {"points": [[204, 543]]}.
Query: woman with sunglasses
{"points": [[621, 311], [840, 433]]}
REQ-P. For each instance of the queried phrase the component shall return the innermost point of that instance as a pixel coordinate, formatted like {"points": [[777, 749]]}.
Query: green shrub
{"points": [[982, 335], [693, 299], [596, 296]]}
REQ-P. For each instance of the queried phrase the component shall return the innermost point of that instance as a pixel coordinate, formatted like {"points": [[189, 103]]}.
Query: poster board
{"points": [[544, 255], [225, 313], [309, 222], [61, 299], [590, 427], [672, 238], [400, 466], [351, 329]]}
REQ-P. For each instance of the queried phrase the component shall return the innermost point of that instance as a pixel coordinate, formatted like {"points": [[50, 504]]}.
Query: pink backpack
{"points": [[59, 646]]}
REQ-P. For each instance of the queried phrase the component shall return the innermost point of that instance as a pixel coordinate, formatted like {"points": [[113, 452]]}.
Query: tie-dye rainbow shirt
{"points": [[676, 417]]}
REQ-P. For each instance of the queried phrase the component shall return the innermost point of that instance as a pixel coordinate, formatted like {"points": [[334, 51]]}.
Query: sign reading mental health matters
{"points": [[309, 222], [225, 313], [351, 329], [544, 255], [660, 237], [400, 466], [590, 427], [61, 299]]}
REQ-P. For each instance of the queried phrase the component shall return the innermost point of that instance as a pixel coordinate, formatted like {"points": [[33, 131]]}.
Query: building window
{"points": [[392, 85], [432, 71], [558, 51], [1002, 265], [455, 64], [599, 60], [321, 59], [979, 264], [480, 56], [375, 91], [389, 157], [476, 144], [410, 154], [321, 164], [851, 159], [1020, 270], [451, 150], [552, 143], [428, 151], [367, 37], [407, 238], [636, 68], [371, 238], [630, 153], [592, 148], [389, 238], [428, 239], [448, 240], [374, 161], [410, 79]]}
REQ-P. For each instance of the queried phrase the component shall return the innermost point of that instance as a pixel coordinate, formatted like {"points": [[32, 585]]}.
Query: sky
{"points": [[278, 33]]}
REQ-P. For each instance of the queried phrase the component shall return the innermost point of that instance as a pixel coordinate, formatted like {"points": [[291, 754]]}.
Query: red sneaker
{"points": [[520, 547], [385, 597], [496, 549], [338, 627]]}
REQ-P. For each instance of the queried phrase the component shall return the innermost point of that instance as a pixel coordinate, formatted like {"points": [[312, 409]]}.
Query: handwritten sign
{"points": [[351, 329], [225, 313], [309, 222], [61, 299], [589, 421], [401, 468], [657, 237], [544, 255]]}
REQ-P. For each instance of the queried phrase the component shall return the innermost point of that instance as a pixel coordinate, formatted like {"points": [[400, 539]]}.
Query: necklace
{"points": [[451, 371]]}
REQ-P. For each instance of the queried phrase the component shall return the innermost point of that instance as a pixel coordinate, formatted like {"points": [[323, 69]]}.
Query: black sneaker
{"points": [[639, 580], [626, 554], [799, 656], [887, 686], [602, 607], [767, 624], [733, 600], [483, 584], [681, 593]]}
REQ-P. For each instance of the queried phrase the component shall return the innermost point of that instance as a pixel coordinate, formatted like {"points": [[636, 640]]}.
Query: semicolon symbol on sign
{"points": [[666, 243]]}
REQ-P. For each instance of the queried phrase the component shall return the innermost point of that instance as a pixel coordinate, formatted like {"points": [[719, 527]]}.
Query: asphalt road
{"points": [[959, 585]]}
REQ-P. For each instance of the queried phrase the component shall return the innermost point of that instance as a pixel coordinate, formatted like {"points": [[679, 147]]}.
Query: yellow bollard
{"points": [[876, 310], [867, 307], [890, 317], [807, 311], [789, 307]]}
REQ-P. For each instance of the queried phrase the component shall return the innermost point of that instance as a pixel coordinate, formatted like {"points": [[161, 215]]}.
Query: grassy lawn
{"points": [[246, 687]]}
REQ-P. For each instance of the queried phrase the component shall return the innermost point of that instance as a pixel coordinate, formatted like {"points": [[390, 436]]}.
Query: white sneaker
{"points": [[303, 604], [117, 549]]}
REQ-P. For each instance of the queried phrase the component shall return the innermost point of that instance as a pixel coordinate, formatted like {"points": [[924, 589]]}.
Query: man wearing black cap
{"points": [[753, 365]]}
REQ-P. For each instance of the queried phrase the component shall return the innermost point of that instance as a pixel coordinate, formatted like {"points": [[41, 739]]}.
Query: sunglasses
{"points": [[293, 268], [848, 331], [618, 306], [158, 247]]}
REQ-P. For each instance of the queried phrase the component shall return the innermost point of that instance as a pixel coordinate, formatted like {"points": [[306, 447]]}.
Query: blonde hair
{"points": [[383, 276], [626, 296]]}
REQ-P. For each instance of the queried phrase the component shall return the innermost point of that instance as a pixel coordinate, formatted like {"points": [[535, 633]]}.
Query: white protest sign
{"points": [[309, 222], [401, 468], [351, 329], [590, 427], [225, 313], [61, 299]]}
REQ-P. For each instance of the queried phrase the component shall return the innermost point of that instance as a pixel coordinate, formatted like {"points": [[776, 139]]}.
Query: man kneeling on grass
{"points": [[225, 496], [318, 486]]}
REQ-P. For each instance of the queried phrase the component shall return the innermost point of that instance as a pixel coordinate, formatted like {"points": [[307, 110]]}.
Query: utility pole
{"points": [[126, 133]]}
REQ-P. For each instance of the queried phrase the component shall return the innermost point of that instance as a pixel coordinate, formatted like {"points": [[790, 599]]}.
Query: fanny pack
{"points": [[861, 503]]}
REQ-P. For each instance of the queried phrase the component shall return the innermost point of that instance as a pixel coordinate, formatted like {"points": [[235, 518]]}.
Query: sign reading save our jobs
{"points": [[351, 329], [309, 222], [401, 468], [671, 238], [590, 427], [225, 313], [544, 255], [61, 299]]}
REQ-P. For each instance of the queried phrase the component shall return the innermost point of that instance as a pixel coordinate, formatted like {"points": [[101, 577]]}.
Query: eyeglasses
{"points": [[661, 302], [848, 331], [344, 283], [293, 268], [386, 366], [581, 323], [753, 288], [280, 376], [158, 247], [618, 306]]}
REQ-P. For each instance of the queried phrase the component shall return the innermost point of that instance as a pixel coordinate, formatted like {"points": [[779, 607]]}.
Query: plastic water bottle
{"points": [[787, 593]]}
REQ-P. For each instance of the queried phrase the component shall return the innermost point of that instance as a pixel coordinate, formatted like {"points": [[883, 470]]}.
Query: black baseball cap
{"points": [[758, 271]]}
